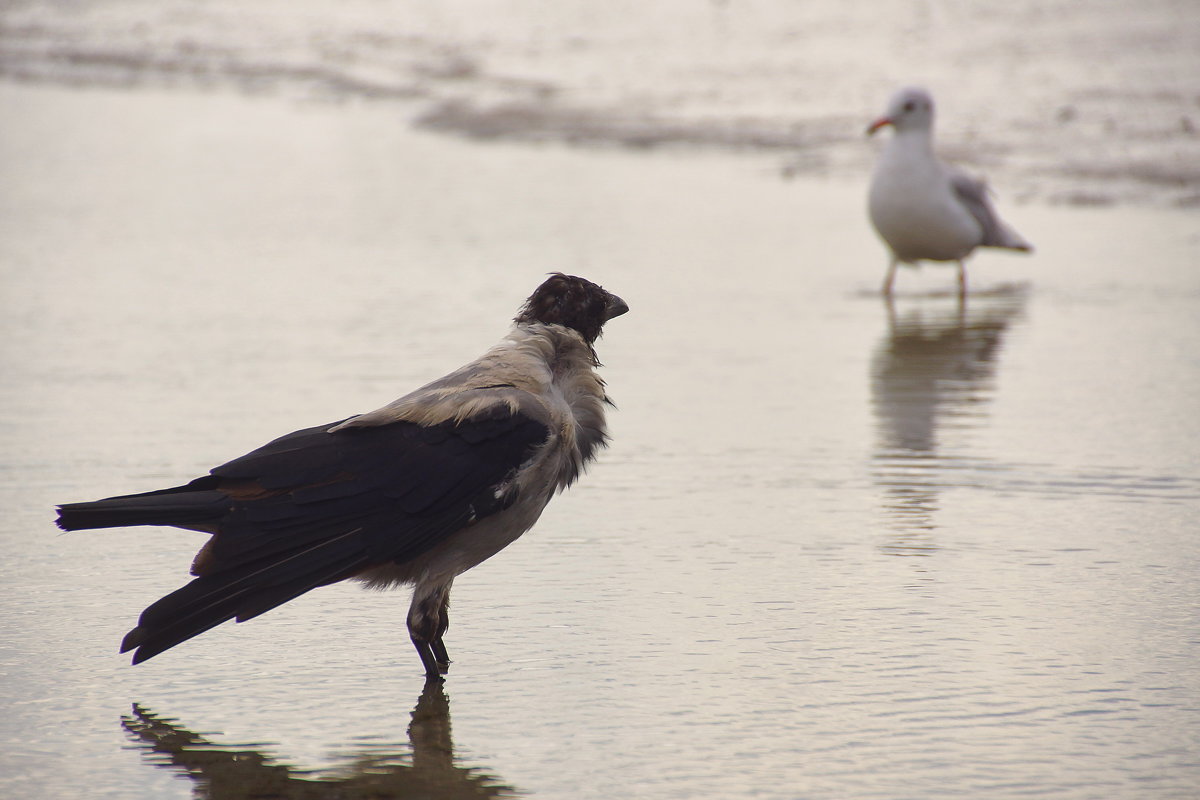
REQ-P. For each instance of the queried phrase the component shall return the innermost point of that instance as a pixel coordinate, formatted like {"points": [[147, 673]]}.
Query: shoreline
{"points": [[1076, 148]]}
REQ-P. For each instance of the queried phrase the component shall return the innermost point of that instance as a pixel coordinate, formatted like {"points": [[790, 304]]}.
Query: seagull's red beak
{"points": [[877, 124]]}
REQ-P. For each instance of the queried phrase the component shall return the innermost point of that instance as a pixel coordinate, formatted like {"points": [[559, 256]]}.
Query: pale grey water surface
{"points": [[838, 549]]}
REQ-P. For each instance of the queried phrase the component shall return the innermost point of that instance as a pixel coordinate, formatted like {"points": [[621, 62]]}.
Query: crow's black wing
{"points": [[315, 507]]}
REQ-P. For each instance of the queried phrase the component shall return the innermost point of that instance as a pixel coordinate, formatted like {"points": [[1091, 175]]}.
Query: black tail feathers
{"points": [[194, 505], [242, 593]]}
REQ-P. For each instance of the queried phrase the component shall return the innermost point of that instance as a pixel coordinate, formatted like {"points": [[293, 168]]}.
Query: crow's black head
{"points": [[574, 303]]}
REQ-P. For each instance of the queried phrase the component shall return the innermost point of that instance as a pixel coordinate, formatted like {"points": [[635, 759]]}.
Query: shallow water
{"points": [[838, 549]]}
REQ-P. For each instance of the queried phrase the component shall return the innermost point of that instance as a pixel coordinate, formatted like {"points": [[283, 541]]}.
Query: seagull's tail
{"points": [[1006, 238]]}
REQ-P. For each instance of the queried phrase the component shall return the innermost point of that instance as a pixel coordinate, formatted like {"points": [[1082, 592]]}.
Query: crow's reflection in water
{"points": [[425, 768], [933, 373]]}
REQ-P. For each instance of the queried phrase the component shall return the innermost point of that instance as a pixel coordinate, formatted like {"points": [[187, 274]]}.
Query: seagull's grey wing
{"points": [[974, 195]]}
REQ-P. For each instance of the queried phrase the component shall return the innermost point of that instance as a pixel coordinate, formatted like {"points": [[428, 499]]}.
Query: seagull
{"points": [[923, 209], [416, 492]]}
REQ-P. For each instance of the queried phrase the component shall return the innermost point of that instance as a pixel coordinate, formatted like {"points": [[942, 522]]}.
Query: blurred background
{"points": [[1079, 103], [839, 548]]}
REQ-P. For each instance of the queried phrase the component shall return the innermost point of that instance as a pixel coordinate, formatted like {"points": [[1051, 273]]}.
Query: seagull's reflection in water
{"points": [[424, 768], [931, 376]]}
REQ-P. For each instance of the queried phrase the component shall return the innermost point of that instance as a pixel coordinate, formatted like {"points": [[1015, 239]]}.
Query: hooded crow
{"points": [[416, 492]]}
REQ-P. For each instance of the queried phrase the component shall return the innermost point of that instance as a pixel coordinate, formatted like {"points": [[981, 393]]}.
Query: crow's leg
{"points": [[437, 645], [425, 651], [426, 625]]}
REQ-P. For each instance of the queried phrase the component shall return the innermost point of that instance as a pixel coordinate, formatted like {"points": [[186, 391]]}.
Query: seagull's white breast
{"points": [[913, 207]]}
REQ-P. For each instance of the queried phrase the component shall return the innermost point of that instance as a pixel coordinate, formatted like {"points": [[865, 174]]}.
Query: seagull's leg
{"points": [[890, 278], [962, 280], [890, 303]]}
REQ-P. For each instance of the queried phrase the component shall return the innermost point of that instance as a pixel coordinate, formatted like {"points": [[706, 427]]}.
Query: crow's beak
{"points": [[877, 124], [615, 307]]}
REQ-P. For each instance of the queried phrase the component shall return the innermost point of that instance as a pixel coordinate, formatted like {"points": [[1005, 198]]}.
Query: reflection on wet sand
{"points": [[933, 373], [424, 767]]}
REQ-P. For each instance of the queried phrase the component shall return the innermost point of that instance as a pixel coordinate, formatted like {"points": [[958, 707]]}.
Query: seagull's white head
{"points": [[909, 109]]}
